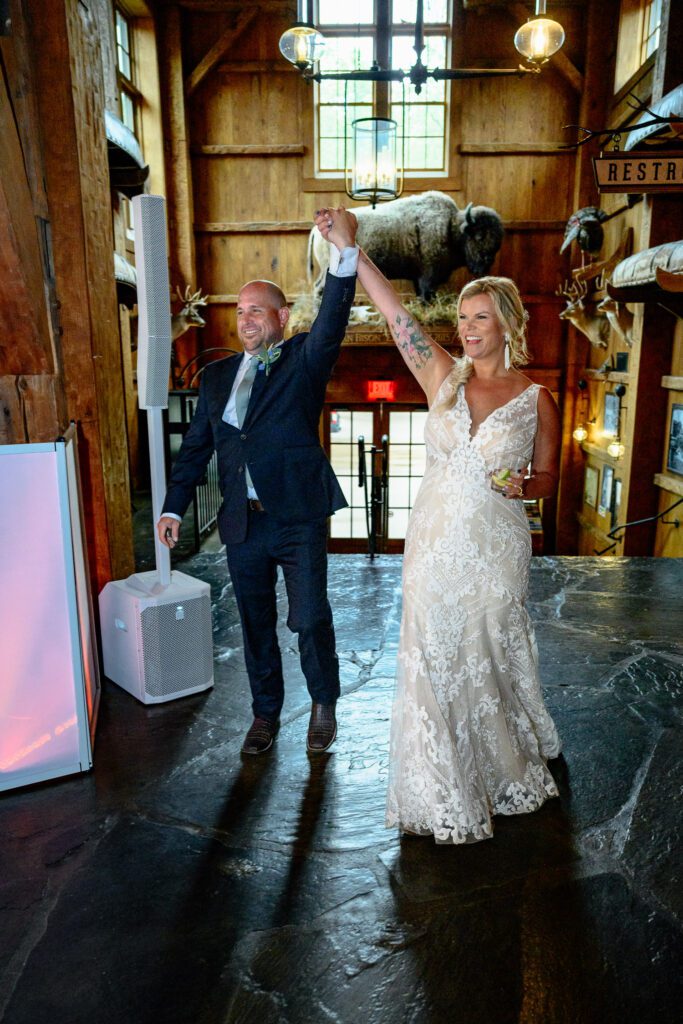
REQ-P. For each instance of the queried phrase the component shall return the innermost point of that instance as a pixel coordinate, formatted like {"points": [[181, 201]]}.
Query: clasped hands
{"points": [[337, 225]]}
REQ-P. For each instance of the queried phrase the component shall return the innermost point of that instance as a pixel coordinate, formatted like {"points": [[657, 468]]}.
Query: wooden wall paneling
{"points": [[220, 47], [524, 187], [601, 34], [669, 537], [151, 118], [69, 76]]}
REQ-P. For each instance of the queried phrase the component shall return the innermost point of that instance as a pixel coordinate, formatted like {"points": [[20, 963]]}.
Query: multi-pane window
{"points": [[346, 426], [128, 94], [359, 33], [639, 23], [652, 17], [406, 466]]}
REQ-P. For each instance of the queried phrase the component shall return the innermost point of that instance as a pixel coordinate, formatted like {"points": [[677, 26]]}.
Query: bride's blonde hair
{"points": [[512, 316]]}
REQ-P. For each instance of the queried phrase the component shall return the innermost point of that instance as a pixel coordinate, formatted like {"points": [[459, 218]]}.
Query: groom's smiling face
{"points": [[260, 318]]}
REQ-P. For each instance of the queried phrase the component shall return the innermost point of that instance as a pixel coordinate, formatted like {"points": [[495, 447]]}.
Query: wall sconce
{"points": [[540, 37], [302, 44], [581, 432], [374, 175], [615, 448]]}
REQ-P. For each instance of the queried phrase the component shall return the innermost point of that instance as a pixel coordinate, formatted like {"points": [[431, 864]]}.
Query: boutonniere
{"points": [[270, 356]]}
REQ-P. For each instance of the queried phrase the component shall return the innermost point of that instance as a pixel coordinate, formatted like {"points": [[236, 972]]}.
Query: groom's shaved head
{"points": [[275, 295]]}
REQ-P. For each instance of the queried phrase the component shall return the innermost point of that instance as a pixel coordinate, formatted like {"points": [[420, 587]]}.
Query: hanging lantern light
{"points": [[580, 434], [374, 174], [302, 44], [540, 37], [615, 448]]}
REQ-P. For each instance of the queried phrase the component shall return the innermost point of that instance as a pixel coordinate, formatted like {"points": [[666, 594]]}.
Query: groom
{"points": [[260, 412]]}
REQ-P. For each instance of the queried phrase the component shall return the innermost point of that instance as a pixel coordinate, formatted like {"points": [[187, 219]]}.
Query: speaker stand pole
{"points": [[155, 429]]}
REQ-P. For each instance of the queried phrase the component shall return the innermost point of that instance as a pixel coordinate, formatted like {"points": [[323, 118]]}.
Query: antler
{"points": [[573, 292], [638, 108]]}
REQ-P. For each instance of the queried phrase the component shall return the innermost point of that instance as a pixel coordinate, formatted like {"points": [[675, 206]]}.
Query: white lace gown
{"points": [[470, 732]]}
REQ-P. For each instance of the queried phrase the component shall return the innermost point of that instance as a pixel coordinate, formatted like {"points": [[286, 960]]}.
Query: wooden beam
{"points": [[251, 227], [219, 49], [515, 148], [25, 336], [70, 90], [177, 151], [535, 225], [673, 383], [669, 483], [560, 61], [256, 67], [277, 149]]}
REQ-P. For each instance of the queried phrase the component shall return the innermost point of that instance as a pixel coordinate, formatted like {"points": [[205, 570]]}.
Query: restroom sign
{"points": [[633, 172]]}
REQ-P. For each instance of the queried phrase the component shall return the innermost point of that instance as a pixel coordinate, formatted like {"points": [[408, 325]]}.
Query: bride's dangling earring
{"points": [[507, 351]]}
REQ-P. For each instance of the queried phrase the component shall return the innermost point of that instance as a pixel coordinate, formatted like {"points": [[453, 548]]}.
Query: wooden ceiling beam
{"points": [[219, 49]]}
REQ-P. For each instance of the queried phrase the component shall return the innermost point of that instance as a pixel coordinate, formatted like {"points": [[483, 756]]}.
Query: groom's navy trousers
{"points": [[280, 444]]}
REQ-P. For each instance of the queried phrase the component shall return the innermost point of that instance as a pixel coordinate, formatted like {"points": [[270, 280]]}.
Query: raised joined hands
{"points": [[337, 225]]}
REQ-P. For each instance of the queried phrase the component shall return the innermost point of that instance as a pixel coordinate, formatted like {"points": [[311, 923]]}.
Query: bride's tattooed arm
{"points": [[414, 346]]}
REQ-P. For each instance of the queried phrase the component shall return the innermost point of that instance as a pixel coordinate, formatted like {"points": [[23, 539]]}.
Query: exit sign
{"points": [[381, 390], [639, 172]]}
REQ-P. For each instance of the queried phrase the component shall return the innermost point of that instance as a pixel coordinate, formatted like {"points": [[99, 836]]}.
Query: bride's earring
{"points": [[507, 350]]}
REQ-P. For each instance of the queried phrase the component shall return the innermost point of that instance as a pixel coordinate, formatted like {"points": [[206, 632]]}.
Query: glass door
{"points": [[403, 426]]}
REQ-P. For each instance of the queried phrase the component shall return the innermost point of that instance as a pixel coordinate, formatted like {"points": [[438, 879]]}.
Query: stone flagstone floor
{"points": [[178, 883]]}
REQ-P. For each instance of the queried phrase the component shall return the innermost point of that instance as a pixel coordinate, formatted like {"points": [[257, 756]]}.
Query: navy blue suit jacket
{"points": [[279, 437]]}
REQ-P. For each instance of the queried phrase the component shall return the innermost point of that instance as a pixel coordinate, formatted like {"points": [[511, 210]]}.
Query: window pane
{"points": [[435, 12], [340, 525], [351, 12], [127, 111], [398, 523], [400, 427]]}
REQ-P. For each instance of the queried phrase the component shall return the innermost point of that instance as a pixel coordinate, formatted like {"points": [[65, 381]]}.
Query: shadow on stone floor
{"points": [[183, 883]]}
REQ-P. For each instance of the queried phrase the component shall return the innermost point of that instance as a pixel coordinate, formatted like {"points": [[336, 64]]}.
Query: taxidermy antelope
{"points": [[189, 315], [596, 328], [619, 318]]}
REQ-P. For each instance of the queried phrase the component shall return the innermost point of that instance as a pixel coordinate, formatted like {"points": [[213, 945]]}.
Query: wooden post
{"points": [[180, 206], [70, 89]]}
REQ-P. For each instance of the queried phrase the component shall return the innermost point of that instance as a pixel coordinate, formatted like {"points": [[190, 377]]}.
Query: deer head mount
{"points": [[620, 320], [590, 315], [582, 313], [189, 315]]}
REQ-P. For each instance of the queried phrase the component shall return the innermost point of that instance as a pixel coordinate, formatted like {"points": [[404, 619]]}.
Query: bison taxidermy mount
{"points": [[421, 238]]}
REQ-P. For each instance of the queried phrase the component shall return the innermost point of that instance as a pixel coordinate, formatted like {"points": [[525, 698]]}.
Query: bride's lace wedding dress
{"points": [[470, 731]]}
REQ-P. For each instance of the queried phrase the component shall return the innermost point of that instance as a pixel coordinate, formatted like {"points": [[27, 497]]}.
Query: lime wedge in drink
{"points": [[500, 478]]}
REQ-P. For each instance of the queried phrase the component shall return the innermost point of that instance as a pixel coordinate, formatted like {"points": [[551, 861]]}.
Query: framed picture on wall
{"points": [[674, 461], [616, 502], [590, 486], [605, 506], [611, 416]]}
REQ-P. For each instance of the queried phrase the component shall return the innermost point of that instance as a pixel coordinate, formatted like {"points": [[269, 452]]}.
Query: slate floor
{"points": [[178, 884]]}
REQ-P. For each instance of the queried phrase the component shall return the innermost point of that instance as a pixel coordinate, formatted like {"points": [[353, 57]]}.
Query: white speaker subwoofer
{"points": [[157, 641]]}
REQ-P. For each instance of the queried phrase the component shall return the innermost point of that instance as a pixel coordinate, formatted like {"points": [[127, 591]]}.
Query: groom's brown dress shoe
{"points": [[322, 728], [260, 736]]}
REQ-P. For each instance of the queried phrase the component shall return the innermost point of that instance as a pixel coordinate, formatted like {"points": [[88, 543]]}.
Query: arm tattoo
{"points": [[411, 341]]}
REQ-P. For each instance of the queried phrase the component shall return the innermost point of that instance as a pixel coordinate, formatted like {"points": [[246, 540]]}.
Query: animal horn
{"points": [[468, 213]]}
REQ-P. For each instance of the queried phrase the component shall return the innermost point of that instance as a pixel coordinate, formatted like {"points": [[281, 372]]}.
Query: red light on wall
{"points": [[381, 390]]}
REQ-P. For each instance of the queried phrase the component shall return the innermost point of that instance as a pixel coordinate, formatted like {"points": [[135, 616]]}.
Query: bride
{"points": [[470, 734]]}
